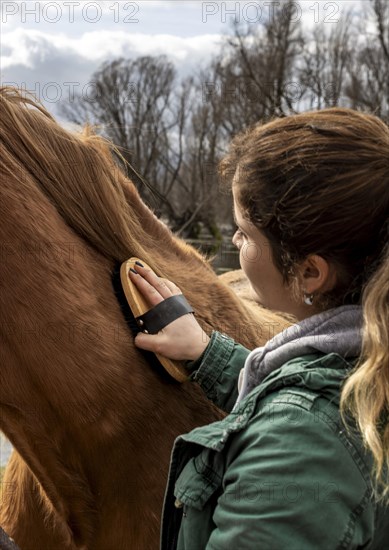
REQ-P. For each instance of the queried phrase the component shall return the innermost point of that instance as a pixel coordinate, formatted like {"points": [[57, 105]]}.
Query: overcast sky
{"points": [[53, 47]]}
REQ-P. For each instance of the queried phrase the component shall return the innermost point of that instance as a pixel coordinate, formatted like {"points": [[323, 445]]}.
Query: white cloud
{"points": [[33, 48], [56, 66]]}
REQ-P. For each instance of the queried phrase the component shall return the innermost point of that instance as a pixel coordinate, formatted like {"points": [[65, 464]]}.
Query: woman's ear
{"points": [[317, 275]]}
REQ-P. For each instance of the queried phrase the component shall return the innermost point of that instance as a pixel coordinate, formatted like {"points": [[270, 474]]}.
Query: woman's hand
{"points": [[183, 339]]}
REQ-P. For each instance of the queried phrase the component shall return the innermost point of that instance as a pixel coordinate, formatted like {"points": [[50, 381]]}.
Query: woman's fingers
{"points": [[182, 339], [154, 288], [172, 287], [152, 296], [156, 282]]}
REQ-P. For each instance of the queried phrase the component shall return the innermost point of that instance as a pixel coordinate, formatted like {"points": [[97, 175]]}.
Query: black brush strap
{"points": [[164, 313]]}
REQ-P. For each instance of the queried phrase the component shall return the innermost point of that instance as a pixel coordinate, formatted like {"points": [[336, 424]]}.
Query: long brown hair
{"points": [[318, 183]]}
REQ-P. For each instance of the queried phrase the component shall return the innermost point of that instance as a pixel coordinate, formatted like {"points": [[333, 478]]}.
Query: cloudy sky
{"points": [[53, 47]]}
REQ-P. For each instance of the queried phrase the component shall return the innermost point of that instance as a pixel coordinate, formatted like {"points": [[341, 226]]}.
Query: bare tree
{"points": [[154, 121], [203, 140], [134, 105], [326, 59], [130, 102], [368, 86], [263, 63], [381, 12]]}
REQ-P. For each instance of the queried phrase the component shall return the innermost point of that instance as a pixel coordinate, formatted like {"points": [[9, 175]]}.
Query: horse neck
{"points": [[76, 395], [156, 236]]}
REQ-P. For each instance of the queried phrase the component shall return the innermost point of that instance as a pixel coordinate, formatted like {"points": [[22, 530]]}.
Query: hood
{"points": [[336, 331]]}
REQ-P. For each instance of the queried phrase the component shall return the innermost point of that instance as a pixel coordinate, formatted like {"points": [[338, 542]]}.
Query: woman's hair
{"points": [[318, 183], [366, 391]]}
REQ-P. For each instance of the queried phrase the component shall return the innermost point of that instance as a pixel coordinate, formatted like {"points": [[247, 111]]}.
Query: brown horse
{"points": [[91, 422]]}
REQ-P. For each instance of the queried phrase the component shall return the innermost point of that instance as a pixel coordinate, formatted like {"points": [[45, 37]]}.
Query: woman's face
{"points": [[257, 263]]}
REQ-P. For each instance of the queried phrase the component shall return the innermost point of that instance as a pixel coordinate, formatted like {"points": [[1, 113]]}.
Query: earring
{"points": [[308, 299]]}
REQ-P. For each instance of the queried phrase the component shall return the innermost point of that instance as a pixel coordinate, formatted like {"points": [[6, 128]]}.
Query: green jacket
{"points": [[279, 472]]}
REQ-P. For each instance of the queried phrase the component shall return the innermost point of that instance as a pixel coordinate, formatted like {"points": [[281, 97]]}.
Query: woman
{"points": [[282, 470]]}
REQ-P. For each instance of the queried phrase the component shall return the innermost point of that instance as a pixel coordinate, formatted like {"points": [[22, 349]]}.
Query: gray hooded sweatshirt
{"points": [[337, 330]]}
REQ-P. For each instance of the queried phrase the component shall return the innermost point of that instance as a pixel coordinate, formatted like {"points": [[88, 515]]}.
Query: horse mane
{"points": [[77, 399], [76, 171]]}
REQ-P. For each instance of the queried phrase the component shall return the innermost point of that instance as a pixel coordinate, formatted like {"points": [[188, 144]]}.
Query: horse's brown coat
{"points": [[92, 424]]}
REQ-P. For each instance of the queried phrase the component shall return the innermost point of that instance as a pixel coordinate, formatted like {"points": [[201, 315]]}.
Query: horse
{"points": [[91, 422]]}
